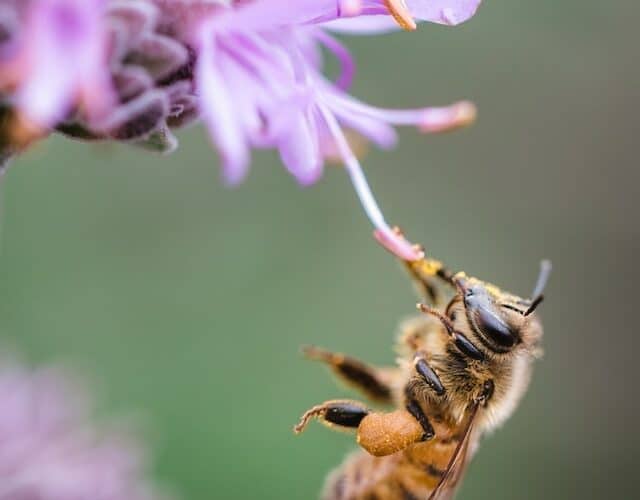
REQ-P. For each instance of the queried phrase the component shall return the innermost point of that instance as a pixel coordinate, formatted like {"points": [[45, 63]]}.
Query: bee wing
{"points": [[458, 460]]}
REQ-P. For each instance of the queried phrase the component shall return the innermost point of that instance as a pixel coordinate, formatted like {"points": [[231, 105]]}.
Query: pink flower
{"points": [[49, 450], [260, 82], [58, 60], [132, 70]]}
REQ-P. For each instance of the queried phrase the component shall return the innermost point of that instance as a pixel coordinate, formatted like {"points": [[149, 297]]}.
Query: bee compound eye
{"points": [[495, 329]]}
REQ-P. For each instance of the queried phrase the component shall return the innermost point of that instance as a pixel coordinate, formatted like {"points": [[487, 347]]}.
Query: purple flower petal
{"points": [[63, 61], [347, 64], [51, 450], [137, 118], [219, 114], [129, 22], [131, 81], [298, 144], [363, 25], [447, 12], [258, 15], [160, 56], [9, 29]]}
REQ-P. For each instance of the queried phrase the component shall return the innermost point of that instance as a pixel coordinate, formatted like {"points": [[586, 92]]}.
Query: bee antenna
{"points": [[543, 278], [534, 305]]}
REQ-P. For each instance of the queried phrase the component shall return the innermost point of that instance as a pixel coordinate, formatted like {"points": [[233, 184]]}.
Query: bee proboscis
{"points": [[461, 371]]}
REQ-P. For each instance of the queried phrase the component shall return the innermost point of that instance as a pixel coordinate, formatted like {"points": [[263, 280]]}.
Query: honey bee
{"points": [[462, 368]]}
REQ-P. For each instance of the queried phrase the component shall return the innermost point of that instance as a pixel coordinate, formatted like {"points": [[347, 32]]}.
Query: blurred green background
{"points": [[188, 302]]}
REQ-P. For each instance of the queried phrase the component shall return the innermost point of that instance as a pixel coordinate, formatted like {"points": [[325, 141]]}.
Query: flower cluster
{"points": [[49, 449], [251, 70]]}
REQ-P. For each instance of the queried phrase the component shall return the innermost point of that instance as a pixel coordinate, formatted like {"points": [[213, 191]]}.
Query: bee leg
{"points": [[464, 345], [380, 434], [421, 269], [423, 272], [427, 373], [371, 381], [415, 409], [426, 289], [336, 413]]}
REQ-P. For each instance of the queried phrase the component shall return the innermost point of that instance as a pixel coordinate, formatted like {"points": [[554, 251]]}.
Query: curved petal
{"points": [[260, 15], [378, 131], [63, 61], [293, 129], [218, 113], [299, 149], [342, 55], [363, 25], [447, 12]]}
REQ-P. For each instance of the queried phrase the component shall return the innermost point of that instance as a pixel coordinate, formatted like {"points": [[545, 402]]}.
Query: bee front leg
{"points": [[423, 272], [425, 288]]}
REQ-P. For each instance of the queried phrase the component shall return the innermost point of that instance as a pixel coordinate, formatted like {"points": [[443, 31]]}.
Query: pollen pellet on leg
{"points": [[386, 433]]}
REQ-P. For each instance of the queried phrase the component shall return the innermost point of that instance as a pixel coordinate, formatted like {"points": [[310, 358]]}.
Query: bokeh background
{"points": [[187, 303]]}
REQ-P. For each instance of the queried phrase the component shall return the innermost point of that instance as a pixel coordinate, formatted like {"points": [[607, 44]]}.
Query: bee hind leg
{"points": [[416, 411], [341, 413], [373, 382], [380, 434], [414, 408]]}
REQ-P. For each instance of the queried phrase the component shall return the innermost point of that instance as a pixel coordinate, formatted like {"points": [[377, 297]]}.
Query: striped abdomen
{"points": [[406, 475]]}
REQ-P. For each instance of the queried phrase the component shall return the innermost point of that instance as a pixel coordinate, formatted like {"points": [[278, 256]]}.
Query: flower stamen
{"points": [[448, 118], [392, 239], [400, 12], [395, 242]]}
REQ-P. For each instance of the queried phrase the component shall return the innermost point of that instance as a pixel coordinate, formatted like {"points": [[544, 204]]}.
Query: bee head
{"points": [[501, 321]]}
